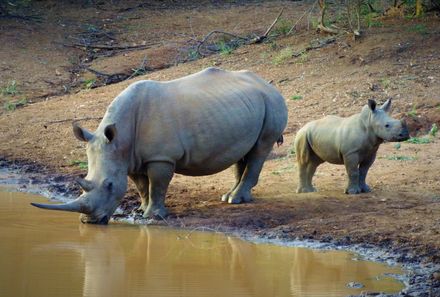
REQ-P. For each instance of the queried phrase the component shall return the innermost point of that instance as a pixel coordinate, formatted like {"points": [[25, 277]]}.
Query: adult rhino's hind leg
{"points": [[254, 163], [159, 175], [239, 168], [142, 185]]}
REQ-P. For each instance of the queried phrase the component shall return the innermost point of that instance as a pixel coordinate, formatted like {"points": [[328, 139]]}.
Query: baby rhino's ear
{"points": [[81, 133], [386, 106], [372, 104]]}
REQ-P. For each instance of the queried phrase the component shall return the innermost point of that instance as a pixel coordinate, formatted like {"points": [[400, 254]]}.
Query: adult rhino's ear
{"points": [[110, 132], [386, 106], [372, 104], [81, 133]]}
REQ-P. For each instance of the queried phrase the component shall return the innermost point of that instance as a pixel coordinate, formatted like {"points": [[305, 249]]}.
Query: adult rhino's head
{"points": [[106, 180], [384, 126]]}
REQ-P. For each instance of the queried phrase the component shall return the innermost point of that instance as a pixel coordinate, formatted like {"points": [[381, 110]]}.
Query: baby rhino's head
{"points": [[384, 126]]}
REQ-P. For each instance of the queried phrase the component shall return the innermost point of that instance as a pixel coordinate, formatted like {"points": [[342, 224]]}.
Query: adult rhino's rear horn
{"points": [[77, 205], [86, 185]]}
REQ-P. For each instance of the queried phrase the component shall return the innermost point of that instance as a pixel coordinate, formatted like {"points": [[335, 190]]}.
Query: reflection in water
{"points": [[44, 253]]}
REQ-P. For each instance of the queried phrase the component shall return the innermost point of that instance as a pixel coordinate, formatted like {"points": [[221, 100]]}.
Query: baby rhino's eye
{"points": [[387, 125]]}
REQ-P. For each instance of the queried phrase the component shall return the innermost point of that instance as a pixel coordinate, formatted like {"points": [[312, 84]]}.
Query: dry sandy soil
{"points": [[400, 59]]}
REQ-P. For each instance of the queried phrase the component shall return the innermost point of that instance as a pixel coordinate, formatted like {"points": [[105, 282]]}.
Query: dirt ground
{"points": [[395, 60]]}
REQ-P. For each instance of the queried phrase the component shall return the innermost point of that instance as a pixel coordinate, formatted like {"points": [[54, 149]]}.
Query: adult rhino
{"points": [[197, 125], [351, 141]]}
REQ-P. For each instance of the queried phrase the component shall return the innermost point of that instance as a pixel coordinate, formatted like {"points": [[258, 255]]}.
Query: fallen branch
{"points": [[109, 47], [216, 32], [317, 44], [73, 120]]}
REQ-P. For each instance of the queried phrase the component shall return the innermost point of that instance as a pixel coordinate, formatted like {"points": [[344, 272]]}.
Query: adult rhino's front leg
{"points": [[142, 185], [351, 163], [159, 175]]}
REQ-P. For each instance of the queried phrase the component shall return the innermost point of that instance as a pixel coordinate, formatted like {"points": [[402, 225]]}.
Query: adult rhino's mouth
{"points": [[88, 219]]}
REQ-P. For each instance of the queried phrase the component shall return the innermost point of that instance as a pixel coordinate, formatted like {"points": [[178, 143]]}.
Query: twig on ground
{"points": [[73, 120], [140, 70], [207, 36], [261, 38], [99, 73], [109, 47], [273, 23], [318, 44]]}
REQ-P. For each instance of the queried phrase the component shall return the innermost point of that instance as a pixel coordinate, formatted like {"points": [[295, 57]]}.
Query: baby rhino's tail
{"points": [[302, 146]]}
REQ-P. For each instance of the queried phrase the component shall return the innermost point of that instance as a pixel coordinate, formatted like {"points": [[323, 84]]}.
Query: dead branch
{"points": [[73, 120], [302, 16], [260, 39], [99, 73], [273, 23], [315, 45], [207, 36], [109, 47], [321, 25]]}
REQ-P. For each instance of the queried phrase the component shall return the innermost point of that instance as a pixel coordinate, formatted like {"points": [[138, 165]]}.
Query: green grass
{"points": [[304, 57], [434, 130], [418, 28], [385, 82], [81, 164], [282, 27], [11, 106], [413, 112], [224, 48], [296, 97], [282, 56], [419, 140], [10, 89], [193, 55], [89, 83]]}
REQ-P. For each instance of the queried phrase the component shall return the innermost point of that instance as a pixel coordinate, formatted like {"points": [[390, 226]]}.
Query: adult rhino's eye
{"points": [[387, 125]]}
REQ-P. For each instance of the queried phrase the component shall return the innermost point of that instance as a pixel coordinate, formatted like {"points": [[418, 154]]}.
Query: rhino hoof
{"points": [[141, 208], [306, 189], [157, 214], [352, 191], [225, 197], [237, 198], [365, 189]]}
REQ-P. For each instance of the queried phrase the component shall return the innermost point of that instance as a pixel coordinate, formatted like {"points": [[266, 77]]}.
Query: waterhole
{"points": [[49, 253]]}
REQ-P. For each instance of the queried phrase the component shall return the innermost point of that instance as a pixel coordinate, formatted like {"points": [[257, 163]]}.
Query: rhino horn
{"points": [[77, 205], [86, 185]]}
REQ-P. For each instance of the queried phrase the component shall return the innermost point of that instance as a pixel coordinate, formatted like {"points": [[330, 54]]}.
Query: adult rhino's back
{"points": [[208, 121]]}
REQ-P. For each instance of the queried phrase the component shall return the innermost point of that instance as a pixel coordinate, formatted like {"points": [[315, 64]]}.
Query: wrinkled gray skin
{"points": [[351, 141], [197, 125]]}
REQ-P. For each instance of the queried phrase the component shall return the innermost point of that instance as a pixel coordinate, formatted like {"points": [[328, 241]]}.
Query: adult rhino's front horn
{"points": [[78, 205]]}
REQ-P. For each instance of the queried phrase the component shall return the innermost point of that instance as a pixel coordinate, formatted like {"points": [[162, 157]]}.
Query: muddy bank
{"points": [[421, 278]]}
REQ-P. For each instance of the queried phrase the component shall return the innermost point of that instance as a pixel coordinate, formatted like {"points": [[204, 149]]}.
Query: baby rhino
{"points": [[351, 141]]}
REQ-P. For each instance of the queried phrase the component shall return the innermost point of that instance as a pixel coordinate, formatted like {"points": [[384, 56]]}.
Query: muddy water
{"points": [[44, 253]]}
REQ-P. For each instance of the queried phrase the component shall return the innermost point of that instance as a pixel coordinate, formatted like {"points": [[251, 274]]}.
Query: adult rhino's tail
{"points": [[280, 140]]}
